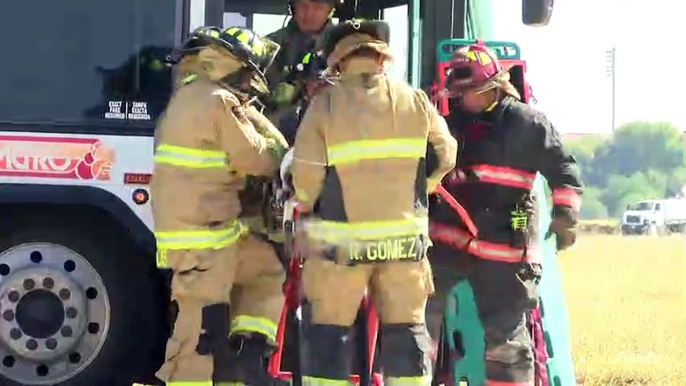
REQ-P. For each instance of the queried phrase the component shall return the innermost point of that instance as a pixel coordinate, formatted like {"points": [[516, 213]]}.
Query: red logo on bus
{"points": [[55, 157]]}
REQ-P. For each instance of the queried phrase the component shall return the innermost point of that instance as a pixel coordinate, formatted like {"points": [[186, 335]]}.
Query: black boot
{"points": [[244, 359]]}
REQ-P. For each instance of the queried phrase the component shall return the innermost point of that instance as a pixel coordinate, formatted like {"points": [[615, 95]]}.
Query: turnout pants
{"points": [[399, 291], [246, 275], [504, 293]]}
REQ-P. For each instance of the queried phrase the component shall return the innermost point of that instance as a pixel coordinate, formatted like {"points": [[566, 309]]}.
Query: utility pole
{"points": [[611, 72]]}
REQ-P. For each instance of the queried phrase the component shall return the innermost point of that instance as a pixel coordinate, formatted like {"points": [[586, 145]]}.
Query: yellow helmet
{"points": [[255, 51]]}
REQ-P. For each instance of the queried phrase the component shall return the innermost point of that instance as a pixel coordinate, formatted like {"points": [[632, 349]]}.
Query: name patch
{"points": [[406, 248]]}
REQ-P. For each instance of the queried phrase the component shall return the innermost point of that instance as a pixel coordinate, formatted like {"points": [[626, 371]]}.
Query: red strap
{"points": [[459, 209]]}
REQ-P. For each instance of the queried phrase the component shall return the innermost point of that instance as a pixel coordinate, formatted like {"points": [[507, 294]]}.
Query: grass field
{"points": [[627, 309]]}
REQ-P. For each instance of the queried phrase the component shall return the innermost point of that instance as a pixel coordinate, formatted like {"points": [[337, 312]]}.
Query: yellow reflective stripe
{"points": [[376, 149], [190, 157], [313, 381], [409, 381], [333, 232], [301, 196], [246, 323], [189, 79], [306, 59], [248, 38], [161, 258], [200, 239], [210, 32]]}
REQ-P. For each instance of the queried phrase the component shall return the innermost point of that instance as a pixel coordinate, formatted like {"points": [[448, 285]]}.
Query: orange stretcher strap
{"points": [[459, 209]]}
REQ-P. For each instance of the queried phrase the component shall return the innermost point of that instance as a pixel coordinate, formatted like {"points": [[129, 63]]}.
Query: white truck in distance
{"points": [[655, 217]]}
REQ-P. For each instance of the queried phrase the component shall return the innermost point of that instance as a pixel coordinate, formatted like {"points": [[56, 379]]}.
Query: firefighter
{"points": [[504, 143], [359, 155], [310, 76], [206, 143], [300, 36]]}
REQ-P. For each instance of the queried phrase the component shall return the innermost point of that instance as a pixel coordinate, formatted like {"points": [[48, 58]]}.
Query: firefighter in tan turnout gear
{"points": [[359, 156], [206, 144]]}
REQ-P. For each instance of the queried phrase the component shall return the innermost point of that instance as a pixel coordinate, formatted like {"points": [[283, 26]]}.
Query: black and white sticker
{"points": [[139, 111], [116, 110]]}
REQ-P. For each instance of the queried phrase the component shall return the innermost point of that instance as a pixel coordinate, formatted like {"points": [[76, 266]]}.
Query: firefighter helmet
{"points": [[474, 67], [351, 35], [256, 52], [199, 38]]}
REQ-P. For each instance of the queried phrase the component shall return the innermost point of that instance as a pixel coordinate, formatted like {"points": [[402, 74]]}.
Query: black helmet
{"points": [[199, 38], [377, 29], [255, 51]]}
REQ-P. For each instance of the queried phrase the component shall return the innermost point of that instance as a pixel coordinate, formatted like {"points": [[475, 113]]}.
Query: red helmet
{"points": [[473, 67]]}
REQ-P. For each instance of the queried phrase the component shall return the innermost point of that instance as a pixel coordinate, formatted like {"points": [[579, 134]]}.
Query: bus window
{"points": [[264, 24], [197, 14], [85, 62], [234, 19], [396, 17]]}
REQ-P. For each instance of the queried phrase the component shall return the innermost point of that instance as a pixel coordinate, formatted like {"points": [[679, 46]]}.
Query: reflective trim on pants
{"points": [[196, 239], [245, 323], [408, 381], [312, 381]]}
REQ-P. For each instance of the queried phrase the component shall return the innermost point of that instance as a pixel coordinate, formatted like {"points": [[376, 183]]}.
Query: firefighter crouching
{"points": [[205, 145], [359, 153], [503, 144]]}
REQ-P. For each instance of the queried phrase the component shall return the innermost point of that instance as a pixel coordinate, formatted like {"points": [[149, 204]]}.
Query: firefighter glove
{"points": [[565, 235]]}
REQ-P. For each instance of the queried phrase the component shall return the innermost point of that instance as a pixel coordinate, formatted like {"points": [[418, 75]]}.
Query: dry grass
{"points": [[601, 222], [627, 309]]}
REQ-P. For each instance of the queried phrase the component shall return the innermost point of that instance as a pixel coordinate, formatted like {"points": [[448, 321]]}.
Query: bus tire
{"points": [[110, 329]]}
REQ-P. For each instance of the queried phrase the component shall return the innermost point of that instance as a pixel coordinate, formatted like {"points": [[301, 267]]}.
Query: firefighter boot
{"points": [[243, 361]]}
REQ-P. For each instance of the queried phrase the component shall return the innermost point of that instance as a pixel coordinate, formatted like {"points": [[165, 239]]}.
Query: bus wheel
{"points": [[69, 296]]}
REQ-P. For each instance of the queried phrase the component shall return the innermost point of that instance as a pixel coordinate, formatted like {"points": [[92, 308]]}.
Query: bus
{"points": [[81, 300]]}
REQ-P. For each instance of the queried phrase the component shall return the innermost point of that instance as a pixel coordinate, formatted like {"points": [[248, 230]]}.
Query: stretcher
{"points": [[365, 330], [461, 348]]}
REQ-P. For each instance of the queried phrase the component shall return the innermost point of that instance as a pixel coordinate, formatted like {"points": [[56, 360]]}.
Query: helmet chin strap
{"points": [[498, 94]]}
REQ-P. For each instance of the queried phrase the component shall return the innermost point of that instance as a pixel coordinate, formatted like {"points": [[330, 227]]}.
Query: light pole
{"points": [[611, 65]]}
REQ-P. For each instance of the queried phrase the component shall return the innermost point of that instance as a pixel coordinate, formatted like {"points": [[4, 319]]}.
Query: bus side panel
{"points": [[98, 171]]}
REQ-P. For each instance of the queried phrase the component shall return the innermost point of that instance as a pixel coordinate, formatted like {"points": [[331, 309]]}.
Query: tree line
{"points": [[641, 160]]}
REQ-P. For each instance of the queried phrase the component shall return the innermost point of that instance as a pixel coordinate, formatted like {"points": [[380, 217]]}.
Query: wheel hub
{"points": [[40, 313], [55, 313]]}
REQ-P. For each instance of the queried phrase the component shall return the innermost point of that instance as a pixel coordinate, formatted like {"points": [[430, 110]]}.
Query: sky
{"points": [[567, 61]]}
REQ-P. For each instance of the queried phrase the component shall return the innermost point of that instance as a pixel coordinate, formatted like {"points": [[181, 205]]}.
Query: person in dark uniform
{"points": [[310, 19], [309, 76], [503, 145]]}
